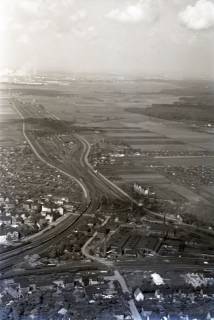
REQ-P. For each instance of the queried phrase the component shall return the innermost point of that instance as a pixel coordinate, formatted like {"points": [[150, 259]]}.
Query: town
{"points": [[99, 221]]}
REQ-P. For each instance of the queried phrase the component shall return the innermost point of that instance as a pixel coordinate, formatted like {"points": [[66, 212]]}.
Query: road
{"points": [[116, 277], [86, 253], [119, 278], [104, 180]]}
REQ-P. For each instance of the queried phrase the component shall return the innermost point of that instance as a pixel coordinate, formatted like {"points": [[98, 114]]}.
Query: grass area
{"points": [[197, 109]]}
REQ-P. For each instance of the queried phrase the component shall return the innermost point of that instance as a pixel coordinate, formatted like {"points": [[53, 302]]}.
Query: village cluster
{"points": [[31, 197]]}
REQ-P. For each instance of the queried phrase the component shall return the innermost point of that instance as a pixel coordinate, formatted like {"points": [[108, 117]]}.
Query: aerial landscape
{"points": [[106, 190]]}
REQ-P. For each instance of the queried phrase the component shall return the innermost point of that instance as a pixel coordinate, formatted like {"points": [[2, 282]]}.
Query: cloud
{"points": [[39, 16], [142, 11], [199, 16]]}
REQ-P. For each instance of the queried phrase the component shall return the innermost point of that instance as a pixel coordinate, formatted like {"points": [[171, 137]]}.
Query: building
{"points": [[138, 295]]}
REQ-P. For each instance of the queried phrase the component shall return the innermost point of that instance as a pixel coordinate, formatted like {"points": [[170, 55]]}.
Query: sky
{"points": [[168, 38]]}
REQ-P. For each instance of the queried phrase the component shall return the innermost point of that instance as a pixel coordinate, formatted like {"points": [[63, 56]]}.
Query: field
{"points": [[195, 105], [10, 126]]}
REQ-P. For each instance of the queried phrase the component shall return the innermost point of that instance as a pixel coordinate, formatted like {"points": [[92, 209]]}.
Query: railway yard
{"points": [[103, 207]]}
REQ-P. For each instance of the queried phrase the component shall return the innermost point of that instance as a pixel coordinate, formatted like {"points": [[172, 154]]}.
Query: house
{"points": [[7, 200], [138, 295], [13, 291], [3, 239], [61, 211], [59, 283], [93, 281], [49, 218], [45, 210], [13, 236], [23, 216], [69, 207], [62, 311]]}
